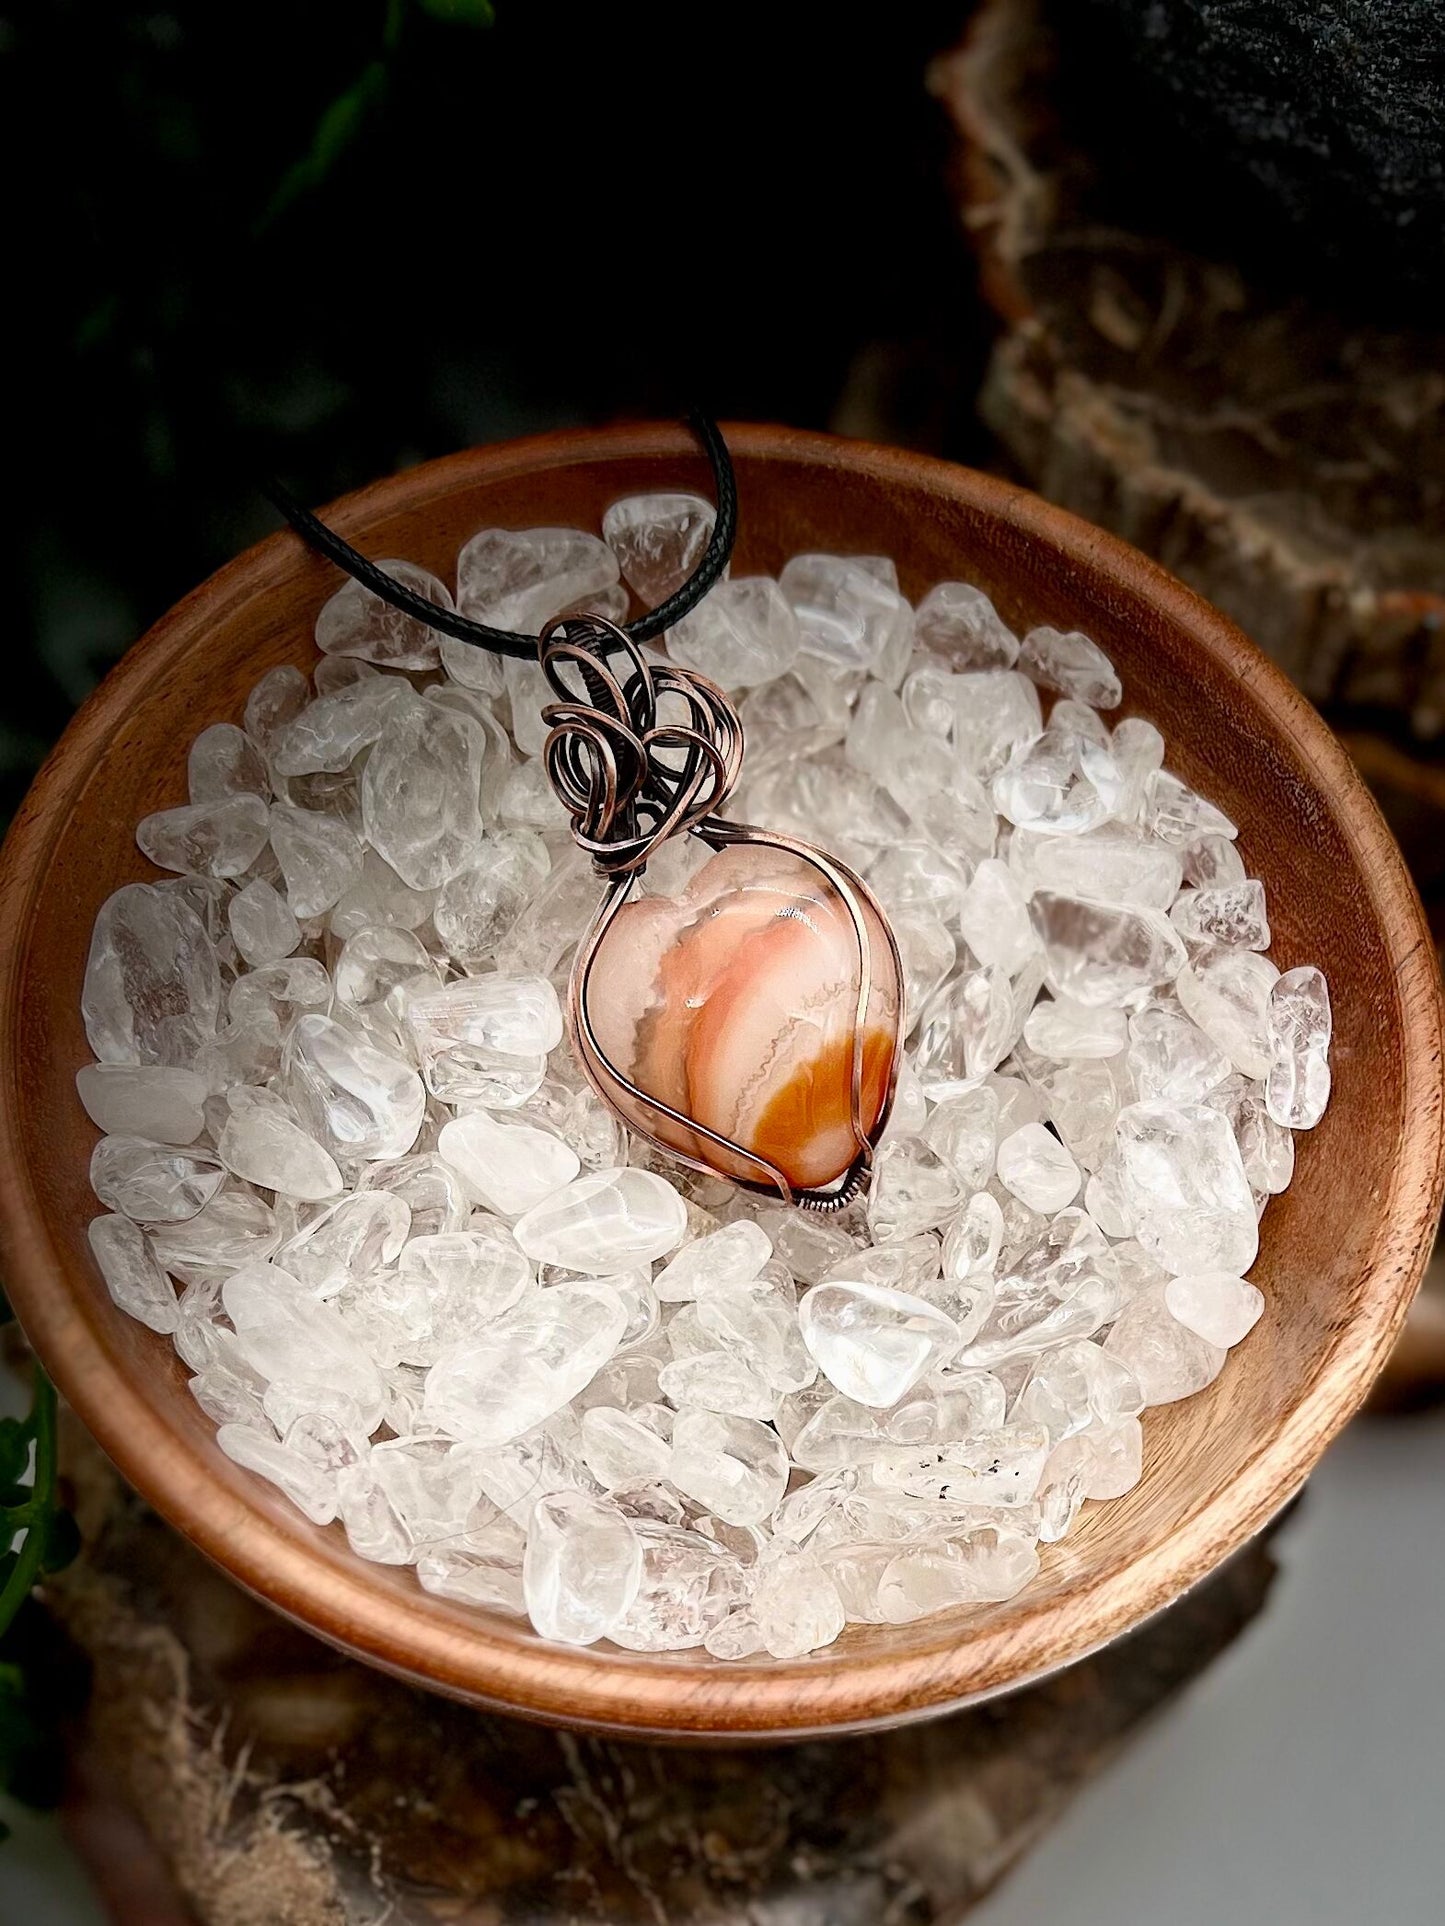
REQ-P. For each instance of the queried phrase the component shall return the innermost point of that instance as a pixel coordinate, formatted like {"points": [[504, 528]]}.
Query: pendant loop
{"points": [[636, 754]]}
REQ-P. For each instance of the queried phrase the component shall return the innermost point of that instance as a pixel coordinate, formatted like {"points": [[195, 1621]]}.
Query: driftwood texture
{"points": [[1287, 461], [271, 1782]]}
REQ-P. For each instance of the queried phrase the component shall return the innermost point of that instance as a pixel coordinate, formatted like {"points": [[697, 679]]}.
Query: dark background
{"points": [[330, 240]]}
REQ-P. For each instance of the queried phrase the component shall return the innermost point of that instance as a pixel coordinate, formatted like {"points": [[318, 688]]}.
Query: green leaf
{"points": [[14, 1497], [460, 13], [337, 128]]}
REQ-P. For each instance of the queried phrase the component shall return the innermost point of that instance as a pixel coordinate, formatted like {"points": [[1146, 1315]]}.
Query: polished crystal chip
{"points": [[849, 614], [520, 579], [690, 1584], [275, 1153], [282, 1332], [374, 1529], [1048, 787], [971, 1247], [913, 1189], [1063, 1030], [990, 1564], [1227, 992], [379, 899], [1104, 956], [358, 1233], [743, 632], [134, 1279], [795, 1603], [263, 926], [356, 623], [277, 699], [658, 540], [508, 1167], [1076, 1386], [994, 918], [1037, 1168], [320, 858], [996, 711], [310, 1487], [331, 732], [737, 1467], [1177, 814], [1297, 1087], [236, 1228], [757, 1322], [605, 1221], [152, 1101], [621, 1450], [223, 762], [1112, 864], [718, 1380], [1215, 1305], [451, 1282], [1210, 862], [1186, 1189], [153, 1183], [1001, 1467], [582, 1567], [1169, 1360], [152, 985], [1172, 1058], [1072, 664], [375, 961], [793, 716], [1230, 914], [460, 1029], [1137, 749], [733, 1255], [519, 1369], [872, 1343], [959, 622], [420, 794], [963, 1130], [221, 838], [481, 905], [357, 1100]]}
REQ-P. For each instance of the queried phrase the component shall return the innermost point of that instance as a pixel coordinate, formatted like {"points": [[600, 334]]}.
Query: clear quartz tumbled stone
{"points": [[582, 1567], [658, 540], [874, 1344]]}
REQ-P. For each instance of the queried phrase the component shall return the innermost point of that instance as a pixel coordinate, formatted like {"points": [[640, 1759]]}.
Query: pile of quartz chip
{"points": [[425, 1283]]}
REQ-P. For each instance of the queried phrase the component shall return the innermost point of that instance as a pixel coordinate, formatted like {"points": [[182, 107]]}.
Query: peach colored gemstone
{"points": [[736, 1004]]}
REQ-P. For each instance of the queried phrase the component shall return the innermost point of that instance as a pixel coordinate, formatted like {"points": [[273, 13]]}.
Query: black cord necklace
{"points": [[756, 1033], [462, 628]]}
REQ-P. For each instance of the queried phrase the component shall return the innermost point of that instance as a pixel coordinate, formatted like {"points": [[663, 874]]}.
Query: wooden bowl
{"points": [[1342, 1250]]}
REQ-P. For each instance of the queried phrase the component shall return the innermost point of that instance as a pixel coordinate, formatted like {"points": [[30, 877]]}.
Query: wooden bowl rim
{"points": [[652, 1695]]}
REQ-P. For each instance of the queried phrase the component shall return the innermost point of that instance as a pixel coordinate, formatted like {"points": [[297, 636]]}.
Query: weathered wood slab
{"points": [[1282, 457]]}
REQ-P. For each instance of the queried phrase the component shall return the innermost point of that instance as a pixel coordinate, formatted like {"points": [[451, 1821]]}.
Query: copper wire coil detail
{"points": [[635, 754]]}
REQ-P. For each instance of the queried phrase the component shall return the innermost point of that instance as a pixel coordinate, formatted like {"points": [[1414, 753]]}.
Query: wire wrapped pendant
{"points": [[752, 1025]]}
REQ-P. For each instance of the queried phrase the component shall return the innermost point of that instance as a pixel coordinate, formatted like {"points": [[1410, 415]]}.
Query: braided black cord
{"points": [[506, 641]]}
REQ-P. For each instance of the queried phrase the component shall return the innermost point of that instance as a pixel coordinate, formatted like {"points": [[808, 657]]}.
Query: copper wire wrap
{"points": [[638, 752]]}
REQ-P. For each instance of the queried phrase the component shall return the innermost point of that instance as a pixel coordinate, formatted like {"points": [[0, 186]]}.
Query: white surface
{"points": [[1301, 1783]]}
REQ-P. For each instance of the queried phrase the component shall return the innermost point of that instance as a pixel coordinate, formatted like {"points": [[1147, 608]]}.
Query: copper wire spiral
{"points": [[628, 774]]}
